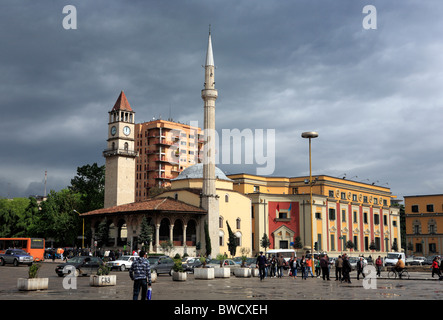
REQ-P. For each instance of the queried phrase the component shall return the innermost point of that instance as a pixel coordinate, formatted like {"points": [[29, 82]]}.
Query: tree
{"points": [[350, 245], [167, 247], [207, 240], [90, 184], [102, 234], [297, 243], [265, 243], [232, 242], [146, 233]]}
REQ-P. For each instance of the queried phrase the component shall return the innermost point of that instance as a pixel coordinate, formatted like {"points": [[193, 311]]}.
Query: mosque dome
{"points": [[196, 172]]}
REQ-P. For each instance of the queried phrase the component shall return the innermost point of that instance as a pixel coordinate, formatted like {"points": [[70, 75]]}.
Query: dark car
{"points": [[81, 265], [189, 265], [161, 264]]}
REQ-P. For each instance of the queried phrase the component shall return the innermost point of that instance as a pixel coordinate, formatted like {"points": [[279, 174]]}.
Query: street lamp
{"points": [[83, 234], [310, 135]]}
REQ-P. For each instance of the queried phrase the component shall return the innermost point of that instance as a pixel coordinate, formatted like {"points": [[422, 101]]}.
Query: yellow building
{"points": [[234, 207], [424, 224], [343, 211]]}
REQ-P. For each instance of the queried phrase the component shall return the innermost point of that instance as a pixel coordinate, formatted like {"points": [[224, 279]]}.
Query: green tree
{"points": [[232, 242], [350, 244], [264, 242], [297, 243], [146, 233], [90, 184], [102, 234]]}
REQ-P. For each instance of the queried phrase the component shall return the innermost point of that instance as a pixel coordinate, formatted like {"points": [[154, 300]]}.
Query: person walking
{"points": [[317, 268], [280, 264], [261, 265], [346, 269], [360, 266], [309, 266], [378, 265], [303, 267], [338, 268], [435, 267], [293, 267], [324, 265], [140, 273]]}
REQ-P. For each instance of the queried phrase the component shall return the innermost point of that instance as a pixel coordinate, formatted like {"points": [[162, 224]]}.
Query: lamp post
{"points": [[310, 135], [83, 232]]}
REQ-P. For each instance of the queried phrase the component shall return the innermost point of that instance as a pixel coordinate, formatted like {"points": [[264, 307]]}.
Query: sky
{"points": [[369, 82]]}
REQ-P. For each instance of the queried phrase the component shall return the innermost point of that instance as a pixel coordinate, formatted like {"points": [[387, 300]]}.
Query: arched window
{"points": [[226, 197], [220, 222], [126, 146], [238, 223]]}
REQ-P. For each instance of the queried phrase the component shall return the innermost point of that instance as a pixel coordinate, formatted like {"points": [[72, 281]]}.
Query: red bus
{"points": [[34, 246]]}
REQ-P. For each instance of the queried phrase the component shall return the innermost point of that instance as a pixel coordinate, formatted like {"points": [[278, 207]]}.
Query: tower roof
{"points": [[196, 172], [209, 55], [122, 103]]}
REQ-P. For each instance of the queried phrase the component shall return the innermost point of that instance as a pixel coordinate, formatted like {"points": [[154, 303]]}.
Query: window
{"points": [[430, 208], [355, 243], [294, 190], [226, 198], [365, 199], [385, 220], [376, 219], [365, 217], [331, 193], [354, 197], [414, 208], [343, 195], [256, 189], [220, 222], [238, 223], [355, 216], [331, 214], [318, 215], [332, 242], [416, 229], [343, 215]]}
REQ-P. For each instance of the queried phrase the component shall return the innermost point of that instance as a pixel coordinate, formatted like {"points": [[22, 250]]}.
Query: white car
{"points": [[123, 263], [414, 261], [353, 262]]}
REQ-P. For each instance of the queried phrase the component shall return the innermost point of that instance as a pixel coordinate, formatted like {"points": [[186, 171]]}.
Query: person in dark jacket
{"points": [[324, 265], [346, 269], [140, 273], [261, 263]]}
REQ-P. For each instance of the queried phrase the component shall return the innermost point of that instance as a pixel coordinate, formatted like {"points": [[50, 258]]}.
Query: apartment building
{"points": [[165, 149]]}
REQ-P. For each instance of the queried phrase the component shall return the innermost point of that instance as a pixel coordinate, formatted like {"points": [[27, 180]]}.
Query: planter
{"points": [[179, 276], [255, 272], [242, 272], [101, 281], [32, 284], [204, 273], [222, 272]]}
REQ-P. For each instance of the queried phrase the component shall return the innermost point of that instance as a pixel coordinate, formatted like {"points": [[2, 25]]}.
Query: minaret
{"points": [[209, 199]]}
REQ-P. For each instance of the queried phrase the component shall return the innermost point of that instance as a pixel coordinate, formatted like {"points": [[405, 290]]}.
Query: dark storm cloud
{"points": [[293, 66]]}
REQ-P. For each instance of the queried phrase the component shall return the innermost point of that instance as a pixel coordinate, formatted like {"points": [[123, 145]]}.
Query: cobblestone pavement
{"points": [[420, 287]]}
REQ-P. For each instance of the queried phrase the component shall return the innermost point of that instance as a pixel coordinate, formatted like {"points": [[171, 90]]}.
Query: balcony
{"points": [[120, 152]]}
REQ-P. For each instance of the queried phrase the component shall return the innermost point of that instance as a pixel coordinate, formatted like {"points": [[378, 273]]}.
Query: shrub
{"points": [[33, 270]]}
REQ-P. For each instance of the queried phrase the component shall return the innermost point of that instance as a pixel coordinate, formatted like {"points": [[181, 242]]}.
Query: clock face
{"points": [[126, 130], [113, 130]]}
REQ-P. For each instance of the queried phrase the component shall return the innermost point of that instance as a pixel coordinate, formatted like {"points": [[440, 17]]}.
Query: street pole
{"points": [[310, 135]]}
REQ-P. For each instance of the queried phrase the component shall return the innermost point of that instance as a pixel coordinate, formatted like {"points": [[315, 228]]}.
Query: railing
{"points": [[120, 152]]}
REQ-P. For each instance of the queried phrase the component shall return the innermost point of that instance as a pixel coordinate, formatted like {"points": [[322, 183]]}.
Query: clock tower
{"points": [[120, 155]]}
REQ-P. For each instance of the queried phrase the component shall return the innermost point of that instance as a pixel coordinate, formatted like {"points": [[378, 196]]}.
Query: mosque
{"points": [[201, 194]]}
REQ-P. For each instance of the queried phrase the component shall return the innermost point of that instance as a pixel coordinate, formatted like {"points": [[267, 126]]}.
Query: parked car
{"points": [[190, 264], [429, 259], [161, 264], [353, 261], [123, 263], [83, 265], [16, 257], [226, 263], [414, 261]]}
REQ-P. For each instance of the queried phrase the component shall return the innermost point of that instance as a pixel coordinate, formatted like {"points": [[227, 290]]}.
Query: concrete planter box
{"points": [[153, 277], [242, 272], [255, 272], [101, 281], [24, 284], [222, 272], [179, 276], [204, 273]]}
